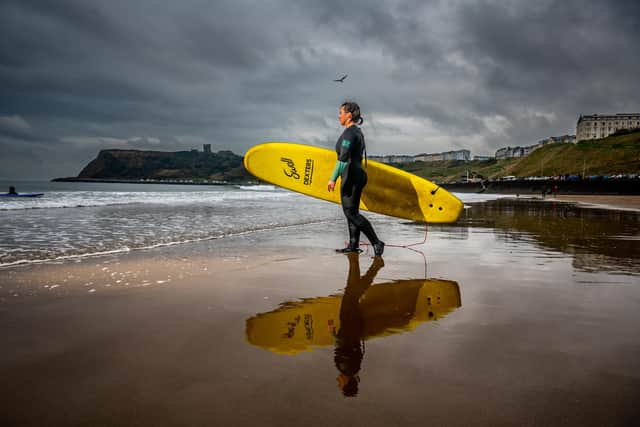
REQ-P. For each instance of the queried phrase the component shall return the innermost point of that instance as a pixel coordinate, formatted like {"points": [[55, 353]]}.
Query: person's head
{"points": [[348, 361], [12, 190], [350, 114], [348, 384]]}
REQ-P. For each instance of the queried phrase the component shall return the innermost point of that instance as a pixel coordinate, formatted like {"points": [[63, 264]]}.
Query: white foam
{"points": [[87, 199], [260, 187]]}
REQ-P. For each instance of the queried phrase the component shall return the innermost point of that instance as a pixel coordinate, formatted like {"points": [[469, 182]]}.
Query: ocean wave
{"points": [[99, 199], [259, 187], [125, 249]]}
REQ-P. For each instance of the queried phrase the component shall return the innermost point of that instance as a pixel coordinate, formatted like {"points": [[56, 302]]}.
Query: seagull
{"points": [[341, 79]]}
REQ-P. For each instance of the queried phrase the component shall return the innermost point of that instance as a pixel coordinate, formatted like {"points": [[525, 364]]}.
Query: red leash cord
{"points": [[407, 246]]}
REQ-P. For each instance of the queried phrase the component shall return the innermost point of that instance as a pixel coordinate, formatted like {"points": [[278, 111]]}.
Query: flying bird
{"points": [[341, 79]]}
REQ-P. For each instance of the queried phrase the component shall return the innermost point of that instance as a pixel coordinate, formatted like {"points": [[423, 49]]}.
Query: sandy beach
{"points": [[622, 202], [540, 335]]}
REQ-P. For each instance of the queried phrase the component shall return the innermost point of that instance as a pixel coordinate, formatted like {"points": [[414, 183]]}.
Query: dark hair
{"points": [[354, 109], [350, 389]]}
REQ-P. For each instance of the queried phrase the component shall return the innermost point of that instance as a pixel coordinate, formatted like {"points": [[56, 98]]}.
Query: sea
{"points": [[75, 220]]}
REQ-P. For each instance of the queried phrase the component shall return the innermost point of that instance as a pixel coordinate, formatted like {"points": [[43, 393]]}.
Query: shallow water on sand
{"points": [[75, 220], [523, 313]]}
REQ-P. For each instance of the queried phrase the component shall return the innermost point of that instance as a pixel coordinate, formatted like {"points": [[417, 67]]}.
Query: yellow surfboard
{"points": [[389, 191], [386, 309]]}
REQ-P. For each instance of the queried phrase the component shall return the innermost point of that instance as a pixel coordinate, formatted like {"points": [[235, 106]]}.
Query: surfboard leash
{"points": [[407, 246]]}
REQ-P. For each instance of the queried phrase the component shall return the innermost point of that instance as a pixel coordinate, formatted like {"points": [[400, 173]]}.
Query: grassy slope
{"points": [[612, 155]]}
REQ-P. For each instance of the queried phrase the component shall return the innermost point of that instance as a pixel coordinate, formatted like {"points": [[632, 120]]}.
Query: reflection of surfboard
{"points": [[387, 309], [389, 191]]}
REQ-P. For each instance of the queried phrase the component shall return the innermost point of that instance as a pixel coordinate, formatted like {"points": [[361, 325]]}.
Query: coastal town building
{"points": [[602, 125], [464, 155], [509, 153], [564, 139], [392, 158], [206, 148], [514, 152]]}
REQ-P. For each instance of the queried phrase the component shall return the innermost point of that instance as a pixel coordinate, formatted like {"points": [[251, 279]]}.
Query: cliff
{"points": [[617, 154], [137, 164]]}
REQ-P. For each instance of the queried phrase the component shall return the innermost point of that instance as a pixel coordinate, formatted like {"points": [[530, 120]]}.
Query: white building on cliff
{"points": [[602, 125], [464, 155]]}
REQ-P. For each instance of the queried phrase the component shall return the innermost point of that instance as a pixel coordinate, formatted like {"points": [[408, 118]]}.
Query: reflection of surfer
{"points": [[349, 348], [350, 148]]}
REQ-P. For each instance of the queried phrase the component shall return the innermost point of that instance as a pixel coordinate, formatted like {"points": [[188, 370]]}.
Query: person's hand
{"points": [[331, 185]]}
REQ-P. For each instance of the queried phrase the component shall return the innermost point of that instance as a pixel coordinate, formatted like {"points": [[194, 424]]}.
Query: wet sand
{"points": [[545, 332], [624, 202]]}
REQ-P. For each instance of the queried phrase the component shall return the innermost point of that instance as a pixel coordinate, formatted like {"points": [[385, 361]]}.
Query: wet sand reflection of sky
{"points": [[596, 239]]}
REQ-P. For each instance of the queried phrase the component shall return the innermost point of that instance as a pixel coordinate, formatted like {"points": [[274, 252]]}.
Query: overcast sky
{"points": [[77, 76]]}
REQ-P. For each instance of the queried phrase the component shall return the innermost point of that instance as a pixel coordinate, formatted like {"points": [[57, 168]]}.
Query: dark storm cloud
{"points": [[45, 30], [541, 64], [575, 56], [16, 127], [79, 76]]}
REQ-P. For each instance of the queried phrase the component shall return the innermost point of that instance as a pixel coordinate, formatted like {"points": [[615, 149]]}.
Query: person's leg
{"points": [[346, 198], [351, 207], [354, 234]]}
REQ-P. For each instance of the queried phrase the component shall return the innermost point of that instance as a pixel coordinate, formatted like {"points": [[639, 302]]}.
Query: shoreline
{"points": [[629, 202], [626, 202], [587, 201], [592, 187], [611, 202]]}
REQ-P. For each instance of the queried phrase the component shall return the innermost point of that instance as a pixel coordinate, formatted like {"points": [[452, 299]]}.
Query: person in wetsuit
{"points": [[12, 190], [350, 149]]}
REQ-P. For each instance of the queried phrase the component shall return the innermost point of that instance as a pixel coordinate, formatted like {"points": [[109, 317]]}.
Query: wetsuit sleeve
{"points": [[345, 150], [337, 171]]}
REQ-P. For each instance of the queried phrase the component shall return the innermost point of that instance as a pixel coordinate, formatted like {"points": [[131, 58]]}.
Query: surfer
{"points": [[350, 149], [12, 190]]}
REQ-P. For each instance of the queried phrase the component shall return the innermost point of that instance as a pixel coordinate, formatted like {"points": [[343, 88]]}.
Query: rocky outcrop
{"points": [[137, 164]]}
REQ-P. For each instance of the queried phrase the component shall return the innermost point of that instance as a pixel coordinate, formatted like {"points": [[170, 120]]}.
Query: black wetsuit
{"points": [[350, 148]]}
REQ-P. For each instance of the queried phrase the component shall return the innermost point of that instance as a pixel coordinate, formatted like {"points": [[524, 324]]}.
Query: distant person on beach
{"points": [[350, 149], [12, 190], [349, 349]]}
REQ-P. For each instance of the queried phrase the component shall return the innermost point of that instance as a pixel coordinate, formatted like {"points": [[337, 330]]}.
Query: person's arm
{"points": [[341, 163], [337, 170]]}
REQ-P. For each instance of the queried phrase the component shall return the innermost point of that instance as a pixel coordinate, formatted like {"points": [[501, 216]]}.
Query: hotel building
{"points": [[602, 125]]}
